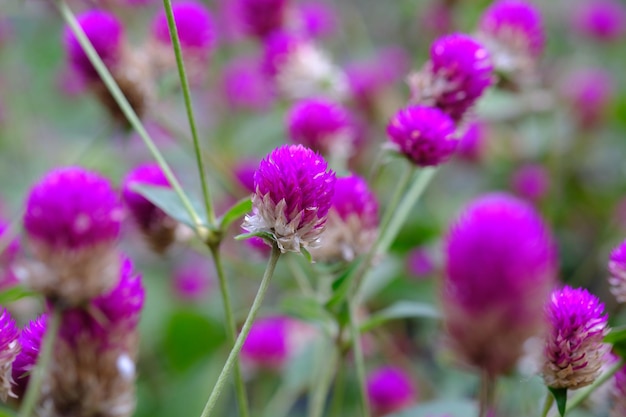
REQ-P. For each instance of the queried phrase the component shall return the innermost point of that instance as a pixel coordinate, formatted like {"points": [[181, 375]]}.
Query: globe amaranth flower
{"points": [[245, 86], [72, 219], [512, 30], [473, 142], [601, 20], [425, 135], [158, 228], [263, 17], [390, 389], [531, 181], [190, 281], [293, 193], [420, 263], [618, 394], [106, 33], [458, 73], [500, 267], [9, 349], [317, 18], [588, 91], [267, 344], [352, 224], [617, 270], [30, 339], [574, 349], [322, 125]]}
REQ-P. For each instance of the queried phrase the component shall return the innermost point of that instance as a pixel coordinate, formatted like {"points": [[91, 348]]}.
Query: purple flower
{"points": [[267, 344], [293, 193], [619, 394], [589, 92], [244, 173], [423, 134], [144, 212], [419, 263], [278, 48], [574, 351], [105, 32], [31, 338], [472, 145], [617, 269], [389, 390], [245, 86], [72, 208], [262, 17], [322, 125], [602, 20], [500, 267], [191, 282], [194, 24], [9, 349], [8, 254], [318, 19], [531, 182]]}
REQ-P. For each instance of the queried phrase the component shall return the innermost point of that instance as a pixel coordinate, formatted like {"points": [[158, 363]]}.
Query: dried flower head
{"points": [[293, 193], [425, 135], [574, 349], [601, 20], [500, 267], [9, 349], [194, 24], [31, 338], [72, 220], [390, 389], [263, 17], [617, 269]]}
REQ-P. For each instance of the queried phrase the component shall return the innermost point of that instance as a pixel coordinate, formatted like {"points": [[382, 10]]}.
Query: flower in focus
{"points": [[390, 389], [617, 269], [9, 349], [293, 193], [531, 182], [501, 265], [601, 20], [589, 92], [31, 338], [574, 349], [423, 134]]}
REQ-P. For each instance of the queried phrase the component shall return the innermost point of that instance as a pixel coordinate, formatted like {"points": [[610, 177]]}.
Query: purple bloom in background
{"points": [[318, 19], [617, 269], [106, 33], [9, 349], [30, 339], [437, 18], [619, 394], [423, 134], [9, 253], [531, 181], [191, 281], [589, 92], [293, 193], [245, 86], [263, 17], [472, 145], [244, 173], [267, 344], [278, 48], [501, 265], [390, 389], [601, 20], [419, 263], [574, 349], [322, 125]]}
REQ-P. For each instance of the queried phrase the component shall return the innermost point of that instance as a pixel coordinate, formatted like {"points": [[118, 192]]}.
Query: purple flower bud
{"points": [[601, 20], [72, 208], [293, 193], [389, 390], [472, 145], [501, 265], [574, 351], [267, 344], [617, 269], [464, 68], [105, 32], [245, 86], [262, 17], [194, 24], [322, 125], [31, 338], [423, 134], [9, 349], [531, 182], [589, 92]]}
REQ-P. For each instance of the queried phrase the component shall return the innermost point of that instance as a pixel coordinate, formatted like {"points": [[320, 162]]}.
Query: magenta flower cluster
{"points": [[194, 24]]}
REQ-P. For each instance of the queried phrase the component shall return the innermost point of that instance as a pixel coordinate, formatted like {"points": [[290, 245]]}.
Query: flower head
{"points": [[263, 17], [501, 264], [423, 134], [106, 34], [9, 349], [390, 389], [317, 18], [293, 193], [31, 337], [267, 344], [194, 24], [420, 263], [602, 20], [245, 86], [619, 394], [589, 92], [574, 351], [617, 269]]}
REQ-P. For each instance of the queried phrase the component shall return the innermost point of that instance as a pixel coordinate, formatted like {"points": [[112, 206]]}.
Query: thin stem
{"points": [[171, 23], [358, 359], [397, 195], [487, 391], [33, 391], [323, 384], [230, 361], [126, 108], [231, 329], [338, 392], [301, 279], [548, 404]]}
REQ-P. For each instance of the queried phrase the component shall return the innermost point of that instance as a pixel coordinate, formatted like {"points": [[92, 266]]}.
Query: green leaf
{"points": [[13, 294], [341, 287], [167, 200], [449, 408], [240, 208], [306, 254], [262, 235], [401, 310], [560, 396], [308, 309], [617, 337]]}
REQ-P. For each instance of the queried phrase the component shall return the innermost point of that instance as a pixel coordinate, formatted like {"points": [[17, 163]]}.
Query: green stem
{"points": [[487, 391], [230, 361], [548, 404], [338, 393], [171, 23], [397, 195], [231, 329], [358, 359], [33, 391], [301, 279], [126, 108], [323, 384]]}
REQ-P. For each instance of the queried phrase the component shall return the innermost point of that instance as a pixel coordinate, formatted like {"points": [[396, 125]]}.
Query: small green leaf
{"points": [[14, 293], [263, 235], [617, 334], [341, 287], [401, 310], [167, 200], [560, 396], [240, 208], [307, 255]]}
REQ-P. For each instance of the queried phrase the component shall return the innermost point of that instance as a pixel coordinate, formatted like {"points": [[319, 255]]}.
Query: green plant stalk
{"points": [[359, 360], [127, 109], [231, 329], [234, 352], [548, 404], [487, 391], [397, 195], [323, 384], [171, 23], [38, 374], [301, 279], [338, 392]]}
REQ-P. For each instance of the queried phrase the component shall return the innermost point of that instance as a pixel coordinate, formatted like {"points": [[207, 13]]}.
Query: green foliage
{"points": [[400, 310], [560, 396]]}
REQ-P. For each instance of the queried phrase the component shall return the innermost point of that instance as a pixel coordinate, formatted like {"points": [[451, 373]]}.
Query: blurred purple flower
{"points": [[601, 20], [390, 389], [472, 145], [9, 349], [617, 269], [531, 181], [30, 339], [419, 263], [318, 18], [244, 173], [267, 344], [263, 17], [589, 92], [245, 86], [191, 281], [143, 211]]}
